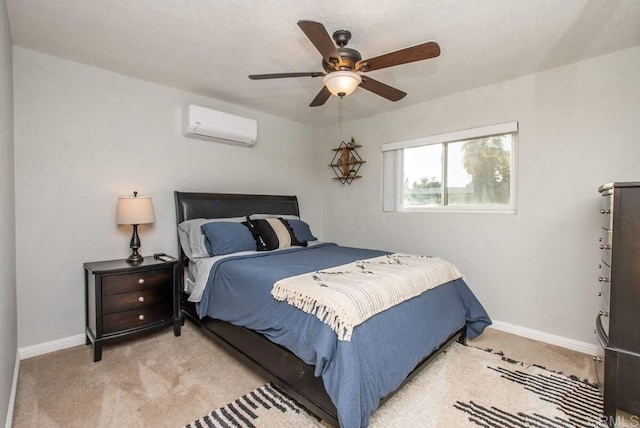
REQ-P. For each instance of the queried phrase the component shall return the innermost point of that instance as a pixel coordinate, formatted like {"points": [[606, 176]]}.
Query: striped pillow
{"points": [[273, 233]]}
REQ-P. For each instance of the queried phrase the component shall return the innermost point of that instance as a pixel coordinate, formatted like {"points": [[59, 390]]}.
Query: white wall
{"points": [[84, 136], [579, 128], [8, 318]]}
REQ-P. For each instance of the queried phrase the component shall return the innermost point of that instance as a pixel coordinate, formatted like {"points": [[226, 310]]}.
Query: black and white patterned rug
{"points": [[465, 386]]}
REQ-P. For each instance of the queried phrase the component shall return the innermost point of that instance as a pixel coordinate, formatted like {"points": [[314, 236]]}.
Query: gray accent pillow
{"points": [[191, 238]]}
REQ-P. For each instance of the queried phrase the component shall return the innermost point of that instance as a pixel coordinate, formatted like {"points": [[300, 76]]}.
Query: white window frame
{"points": [[393, 169]]}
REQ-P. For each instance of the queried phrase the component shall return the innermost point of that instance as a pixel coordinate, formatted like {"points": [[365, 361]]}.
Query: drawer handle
{"points": [[599, 295], [602, 247], [600, 266], [141, 281], [598, 359], [603, 211], [141, 317], [140, 299], [601, 313], [603, 279]]}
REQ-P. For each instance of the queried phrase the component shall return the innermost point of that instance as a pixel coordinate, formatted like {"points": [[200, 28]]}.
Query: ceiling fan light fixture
{"points": [[342, 83]]}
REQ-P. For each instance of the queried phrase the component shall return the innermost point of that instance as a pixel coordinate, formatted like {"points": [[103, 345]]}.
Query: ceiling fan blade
{"points": [[321, 98], [283, 75], [379, 88], [403, 56], [318, 35]]}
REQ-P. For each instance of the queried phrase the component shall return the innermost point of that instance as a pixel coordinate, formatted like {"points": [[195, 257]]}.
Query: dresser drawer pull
{"points": [[603, 211], [600, 266], [141, 317], [598, 359], [599, 294], [141, 280], [601, 313], [140, 299], [603, 279], [602, 247]]}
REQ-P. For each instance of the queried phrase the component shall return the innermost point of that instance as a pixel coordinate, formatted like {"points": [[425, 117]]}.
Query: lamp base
{"points": [[135, 258]]}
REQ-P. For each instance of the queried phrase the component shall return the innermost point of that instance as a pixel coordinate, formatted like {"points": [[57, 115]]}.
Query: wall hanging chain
{"points": [[346, 161]]}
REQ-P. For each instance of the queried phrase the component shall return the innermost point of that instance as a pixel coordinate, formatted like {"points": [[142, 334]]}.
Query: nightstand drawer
{"points": [[115, 284], [136, 318], [135, 300]]}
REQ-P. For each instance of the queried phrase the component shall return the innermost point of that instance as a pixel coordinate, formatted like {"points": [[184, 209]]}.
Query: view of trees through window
{"points": [[461, 173]]}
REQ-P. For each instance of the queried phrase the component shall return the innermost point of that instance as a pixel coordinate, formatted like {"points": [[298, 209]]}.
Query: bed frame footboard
{"points": [[276, 363], [283, 368]]}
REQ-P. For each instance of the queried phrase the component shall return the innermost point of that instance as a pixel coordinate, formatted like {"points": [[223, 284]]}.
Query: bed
{"points": [[312, 368]]}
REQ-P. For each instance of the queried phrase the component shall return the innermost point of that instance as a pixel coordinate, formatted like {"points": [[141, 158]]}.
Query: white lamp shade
{"points": [[342, 83], [135, 210]]}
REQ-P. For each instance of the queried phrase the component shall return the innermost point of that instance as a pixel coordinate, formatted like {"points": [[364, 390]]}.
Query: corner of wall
{"points": [[14, 389]]}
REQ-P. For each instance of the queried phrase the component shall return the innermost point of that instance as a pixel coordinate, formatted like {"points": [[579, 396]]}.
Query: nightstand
{"points": [[124, 299]]}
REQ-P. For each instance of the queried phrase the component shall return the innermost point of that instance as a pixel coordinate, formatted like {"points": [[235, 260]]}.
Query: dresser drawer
{"points": [[606, 211], [602, 329], [137, 299], [604, 243], [137, 317], [605, 295], [604, 315], [606, 237], [598, 361], [124, 283], [604, 274]]}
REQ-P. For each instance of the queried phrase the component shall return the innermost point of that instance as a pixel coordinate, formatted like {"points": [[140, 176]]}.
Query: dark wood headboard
{"points": [[190, 205]]}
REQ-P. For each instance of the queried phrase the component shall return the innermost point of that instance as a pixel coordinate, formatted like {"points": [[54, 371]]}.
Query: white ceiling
{"points": [[209, 47]]}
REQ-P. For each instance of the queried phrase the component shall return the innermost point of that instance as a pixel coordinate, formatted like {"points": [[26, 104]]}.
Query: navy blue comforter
{"points": [[383, 350]]}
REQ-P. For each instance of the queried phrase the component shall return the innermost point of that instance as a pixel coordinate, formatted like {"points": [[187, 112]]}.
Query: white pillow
{"points": [[192, 239]]}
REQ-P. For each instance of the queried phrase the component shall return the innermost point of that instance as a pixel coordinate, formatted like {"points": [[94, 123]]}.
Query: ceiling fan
{"points": [[343, 65]]}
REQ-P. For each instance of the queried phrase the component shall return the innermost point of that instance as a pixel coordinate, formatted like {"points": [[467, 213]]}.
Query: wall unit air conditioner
{"points": [[207, 124]]}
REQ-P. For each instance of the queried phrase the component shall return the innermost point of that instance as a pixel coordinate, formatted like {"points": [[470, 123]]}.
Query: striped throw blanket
{"points": [[345, 296]]}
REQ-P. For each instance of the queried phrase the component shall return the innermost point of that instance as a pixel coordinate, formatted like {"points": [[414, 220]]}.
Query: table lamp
{"points": [[135, 210]]}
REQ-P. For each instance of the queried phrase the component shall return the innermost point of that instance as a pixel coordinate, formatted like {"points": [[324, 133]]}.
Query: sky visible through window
{"points": [[426, 162]]}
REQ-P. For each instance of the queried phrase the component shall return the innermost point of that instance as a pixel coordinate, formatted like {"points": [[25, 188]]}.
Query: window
{"points": [[470, 170]]}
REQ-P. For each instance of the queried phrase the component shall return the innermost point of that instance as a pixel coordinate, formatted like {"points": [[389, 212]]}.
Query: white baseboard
{"points": [[564, 342], [51, 346], [14, 389], [529, 333]]}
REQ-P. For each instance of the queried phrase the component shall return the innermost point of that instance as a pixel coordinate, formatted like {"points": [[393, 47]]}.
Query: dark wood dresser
{"points": [[618, 321], [123, 299]]}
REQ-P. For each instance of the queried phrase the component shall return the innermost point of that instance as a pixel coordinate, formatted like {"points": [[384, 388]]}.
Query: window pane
{"points": [[479, 171], [422, 176]]}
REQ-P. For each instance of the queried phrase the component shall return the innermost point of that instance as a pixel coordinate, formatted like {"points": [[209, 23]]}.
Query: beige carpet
{"points": [[164, 381], [463, 386]]}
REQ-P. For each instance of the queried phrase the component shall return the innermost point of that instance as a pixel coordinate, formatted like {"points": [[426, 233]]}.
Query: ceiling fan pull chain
{"points": [[340, 110]]}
